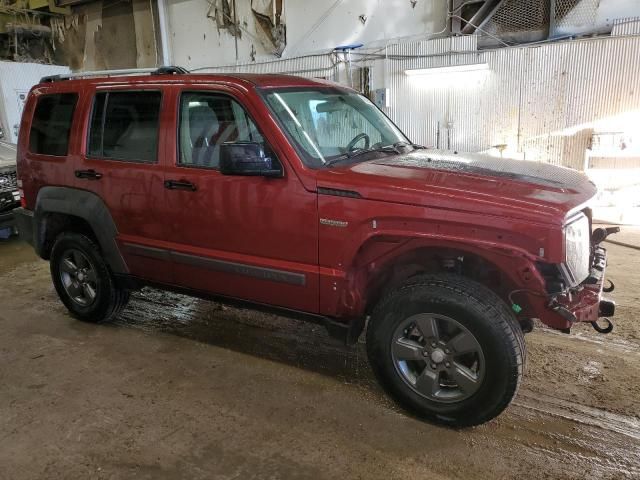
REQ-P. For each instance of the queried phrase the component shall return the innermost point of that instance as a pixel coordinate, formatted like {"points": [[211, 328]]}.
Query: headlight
{"points": [[577, 238]]}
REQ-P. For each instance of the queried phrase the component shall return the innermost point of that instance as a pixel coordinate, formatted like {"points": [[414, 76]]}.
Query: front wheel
{"points": [[83, 280], [448, 349]]}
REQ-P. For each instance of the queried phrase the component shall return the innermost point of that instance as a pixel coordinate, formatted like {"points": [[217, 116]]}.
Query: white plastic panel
{"points": [[16, 79]]}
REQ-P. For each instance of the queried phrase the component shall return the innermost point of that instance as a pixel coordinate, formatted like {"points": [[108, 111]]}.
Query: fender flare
{"points": [[87, 206], [515, 263]]}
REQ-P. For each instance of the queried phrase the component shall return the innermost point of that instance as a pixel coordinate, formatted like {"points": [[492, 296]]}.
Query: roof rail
{"points": [[164, 70]]}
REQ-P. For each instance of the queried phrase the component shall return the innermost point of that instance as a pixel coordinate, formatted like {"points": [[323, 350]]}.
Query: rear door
{"points": [[121, 164], [252, 238]]}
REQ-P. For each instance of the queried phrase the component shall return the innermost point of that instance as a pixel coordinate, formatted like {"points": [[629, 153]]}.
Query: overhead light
{"points": [[452, 69]]}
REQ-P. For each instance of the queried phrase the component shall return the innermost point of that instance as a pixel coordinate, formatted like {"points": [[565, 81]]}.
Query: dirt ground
{"points": [[183, 388]]}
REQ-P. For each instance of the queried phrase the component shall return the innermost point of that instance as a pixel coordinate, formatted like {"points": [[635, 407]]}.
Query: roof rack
{"points": [[165, 70]]}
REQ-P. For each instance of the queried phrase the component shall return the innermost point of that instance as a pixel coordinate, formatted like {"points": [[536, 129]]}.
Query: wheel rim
{"points": [[438, 358], [78, 277]]}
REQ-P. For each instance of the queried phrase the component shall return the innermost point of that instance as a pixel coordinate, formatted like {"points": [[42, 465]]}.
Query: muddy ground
{"points": [[183, 388]]}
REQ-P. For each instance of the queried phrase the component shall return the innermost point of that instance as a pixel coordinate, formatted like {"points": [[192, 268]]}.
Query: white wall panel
{"points": [[314, 26], [16, 79]]}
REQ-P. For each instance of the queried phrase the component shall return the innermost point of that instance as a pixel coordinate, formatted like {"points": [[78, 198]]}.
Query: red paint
{"points": [[404, 212]]}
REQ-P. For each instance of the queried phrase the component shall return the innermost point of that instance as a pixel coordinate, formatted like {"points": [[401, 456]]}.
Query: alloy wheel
{"points": [[78, 277], [438, 358]]}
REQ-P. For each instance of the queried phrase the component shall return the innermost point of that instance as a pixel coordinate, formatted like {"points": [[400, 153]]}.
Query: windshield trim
{"points": [[307, 159]]}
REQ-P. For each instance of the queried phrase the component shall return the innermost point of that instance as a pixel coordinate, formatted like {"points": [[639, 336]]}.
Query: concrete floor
{"points": [[182, 388]]}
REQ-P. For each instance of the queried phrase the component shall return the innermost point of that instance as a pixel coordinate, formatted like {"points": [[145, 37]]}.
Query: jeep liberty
{"points": [[300, 197]]}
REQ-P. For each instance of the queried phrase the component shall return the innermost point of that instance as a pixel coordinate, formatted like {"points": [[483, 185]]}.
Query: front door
{"points": [[252, 238]]}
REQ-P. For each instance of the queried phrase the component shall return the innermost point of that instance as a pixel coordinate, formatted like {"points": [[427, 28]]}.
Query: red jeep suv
{"points": [[299, 196]]}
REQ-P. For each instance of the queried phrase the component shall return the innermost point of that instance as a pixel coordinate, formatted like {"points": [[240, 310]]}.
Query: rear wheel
{"points": [[448, 349], [83, 280]]}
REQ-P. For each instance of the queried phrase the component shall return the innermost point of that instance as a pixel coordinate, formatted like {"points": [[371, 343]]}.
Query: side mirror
{"points": [[249, 159]]}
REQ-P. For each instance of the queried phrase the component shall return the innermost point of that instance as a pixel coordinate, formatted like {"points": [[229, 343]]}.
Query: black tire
{"points": [[477, 310], [109, 299]]}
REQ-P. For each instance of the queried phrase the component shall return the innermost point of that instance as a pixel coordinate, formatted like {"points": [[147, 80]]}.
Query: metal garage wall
{"points": [[316, 66], [538, 102]]}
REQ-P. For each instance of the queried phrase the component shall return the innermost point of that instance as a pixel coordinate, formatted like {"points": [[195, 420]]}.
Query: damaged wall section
{"points": [[269, 29], [107, 34], [223, 32]]}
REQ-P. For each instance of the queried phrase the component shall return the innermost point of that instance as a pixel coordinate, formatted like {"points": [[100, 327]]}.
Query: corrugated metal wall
{"points": [[316, 66], [626, 26], [535, 102]]}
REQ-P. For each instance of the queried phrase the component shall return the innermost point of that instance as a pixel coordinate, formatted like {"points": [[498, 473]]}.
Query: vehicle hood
{"points": [[7, 155], [469, 182]]}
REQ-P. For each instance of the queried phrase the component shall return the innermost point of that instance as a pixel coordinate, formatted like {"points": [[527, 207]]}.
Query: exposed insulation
{"points": [[106, 34], [269, 28], [223, 12]]}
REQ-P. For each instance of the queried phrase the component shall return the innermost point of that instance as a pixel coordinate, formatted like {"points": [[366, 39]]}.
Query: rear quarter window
{"points": [[51, 124]]}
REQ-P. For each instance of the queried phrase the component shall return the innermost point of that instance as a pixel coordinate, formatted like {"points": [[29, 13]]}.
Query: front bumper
{"points": [[585, 303], [590, 306]]}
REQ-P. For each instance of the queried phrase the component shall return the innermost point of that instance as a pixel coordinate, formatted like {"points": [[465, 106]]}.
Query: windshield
{"points": [[326, 123]]}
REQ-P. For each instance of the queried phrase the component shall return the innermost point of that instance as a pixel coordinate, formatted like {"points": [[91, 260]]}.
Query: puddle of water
{"points": [[284, 340]]}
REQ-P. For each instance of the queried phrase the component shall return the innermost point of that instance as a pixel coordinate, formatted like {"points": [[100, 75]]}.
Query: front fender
{"points": [[380, 253]]}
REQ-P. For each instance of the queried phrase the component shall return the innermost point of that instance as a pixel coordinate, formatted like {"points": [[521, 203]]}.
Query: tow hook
{"points": [[607, 309], [609, 288], [600, 234], [599, 329]]}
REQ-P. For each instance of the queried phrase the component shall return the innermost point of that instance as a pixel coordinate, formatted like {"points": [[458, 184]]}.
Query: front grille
{"points": [[578, 249], [9, 198], [8, 181], [8, 201]]}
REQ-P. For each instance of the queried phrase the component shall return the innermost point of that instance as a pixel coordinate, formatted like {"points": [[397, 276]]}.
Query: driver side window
{"points": [[207, 120]]}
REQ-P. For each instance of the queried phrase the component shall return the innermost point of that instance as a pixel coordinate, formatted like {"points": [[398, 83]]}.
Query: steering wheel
{"points": [[356, 139]]}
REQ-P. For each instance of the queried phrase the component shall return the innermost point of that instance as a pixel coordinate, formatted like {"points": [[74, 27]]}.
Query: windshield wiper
{"points": [[395, 148]]}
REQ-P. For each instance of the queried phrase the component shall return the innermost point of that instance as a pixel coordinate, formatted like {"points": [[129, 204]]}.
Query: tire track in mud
{"points": [[604, 444], [611, 344], [582, 414]]}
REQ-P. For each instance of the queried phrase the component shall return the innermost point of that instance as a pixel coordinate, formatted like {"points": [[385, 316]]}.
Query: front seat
{"points": [[203, 125]]}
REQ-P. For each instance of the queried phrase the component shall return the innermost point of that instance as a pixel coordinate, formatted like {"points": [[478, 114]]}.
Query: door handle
{"points": [[179, 185], [88, 174]]}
